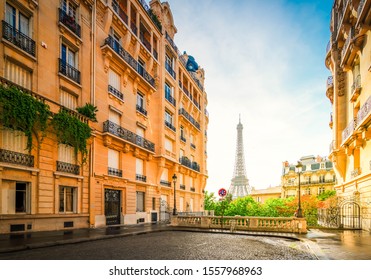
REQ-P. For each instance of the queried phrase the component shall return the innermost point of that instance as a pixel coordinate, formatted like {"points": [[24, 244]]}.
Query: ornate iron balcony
{"points": [[182, 187], [127, 135], [70, 22], [170, 69], [192, 189], [185, 161], [195, 166], [141, 178], [141, 110], [171, 42], [170, 98], [115, 92], [114, 172], [18, 39], [183, 112], [169, 125], [364, 111], [165, 183], [68, 167], [16, 158], [111, 42], [69, 71], [349, 129]]}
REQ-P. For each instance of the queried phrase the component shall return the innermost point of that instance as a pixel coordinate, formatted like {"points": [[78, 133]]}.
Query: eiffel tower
{"points": [[240, 184]]}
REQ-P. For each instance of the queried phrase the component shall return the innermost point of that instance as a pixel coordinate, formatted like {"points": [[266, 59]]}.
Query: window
{"points": [[169, 94], [18, 74], [13, 140], [114, 80], [113, 159], [191, 205], [181, 204], [68, 63], [69, 8], [17, 20], [67, 199], [141, 67], [140, 131], [168, 118], [307, 191], [168, 145], [66, 154], [181, 153], [321, 190], [114, 117], [116, 40], [140, 202], [68, 56], [165, 175], [141, 104], [68, 100], [168, 61], [191, 182], [139, 166], [21, 198]]}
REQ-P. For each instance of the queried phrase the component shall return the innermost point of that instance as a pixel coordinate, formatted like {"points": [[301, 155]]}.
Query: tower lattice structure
{"points": [[240, 184]]}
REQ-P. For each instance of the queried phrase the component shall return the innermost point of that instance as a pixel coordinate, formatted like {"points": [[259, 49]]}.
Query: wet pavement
{"points": [[319, 243]]}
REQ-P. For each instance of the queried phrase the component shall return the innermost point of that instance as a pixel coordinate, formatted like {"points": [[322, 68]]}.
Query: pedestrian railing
{"points": [[268, 224]]}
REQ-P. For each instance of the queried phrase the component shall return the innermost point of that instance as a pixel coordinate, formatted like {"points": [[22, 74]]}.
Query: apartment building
{"points": [[348, 89], [316, 176], [147, 138]]}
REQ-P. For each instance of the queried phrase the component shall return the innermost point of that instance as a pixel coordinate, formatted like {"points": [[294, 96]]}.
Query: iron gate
{"points": [[112, 206], [350, 215]]}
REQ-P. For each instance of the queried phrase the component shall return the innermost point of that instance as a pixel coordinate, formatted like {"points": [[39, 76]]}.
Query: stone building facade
{"points": [[348, 89], [119, 56]]}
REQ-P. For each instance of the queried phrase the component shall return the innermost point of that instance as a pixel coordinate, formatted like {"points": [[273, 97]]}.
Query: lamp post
{"points": [[299, 167], [174, 181]]}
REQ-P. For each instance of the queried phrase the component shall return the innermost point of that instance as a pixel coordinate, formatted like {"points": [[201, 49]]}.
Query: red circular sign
{"points": [[222, 192]]}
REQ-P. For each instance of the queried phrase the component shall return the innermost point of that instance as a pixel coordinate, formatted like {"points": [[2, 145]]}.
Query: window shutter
{"points": [[139, 166], [114, 79], [113, 159], [165, 175], [68, 100], [18, 75], [114, 117]]}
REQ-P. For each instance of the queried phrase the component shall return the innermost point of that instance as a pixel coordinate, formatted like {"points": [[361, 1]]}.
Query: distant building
{"points": [[264, 194], [316, 177]]}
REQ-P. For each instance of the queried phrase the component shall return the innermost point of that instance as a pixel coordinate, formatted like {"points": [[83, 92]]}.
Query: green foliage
{"points": [[71, 131], [325, 195], [89, 111], [209, 201], [155, 19], [21, 111]]}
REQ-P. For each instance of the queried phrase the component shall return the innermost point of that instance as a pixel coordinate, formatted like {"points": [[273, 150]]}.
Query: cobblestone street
{"points": [[173, 246]]}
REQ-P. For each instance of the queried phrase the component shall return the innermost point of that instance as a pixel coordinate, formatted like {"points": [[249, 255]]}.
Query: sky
{"points": [[265, 61]]}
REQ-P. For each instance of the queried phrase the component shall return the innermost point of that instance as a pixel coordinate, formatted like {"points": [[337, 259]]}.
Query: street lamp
{"points": [[174, 181], [299, 167]]}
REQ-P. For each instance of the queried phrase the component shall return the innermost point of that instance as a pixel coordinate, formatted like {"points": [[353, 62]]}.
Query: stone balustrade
{"points": [[243, 223]]}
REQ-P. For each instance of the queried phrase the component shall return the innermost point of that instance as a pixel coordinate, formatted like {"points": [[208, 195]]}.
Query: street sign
{"points": [[222, 192]]}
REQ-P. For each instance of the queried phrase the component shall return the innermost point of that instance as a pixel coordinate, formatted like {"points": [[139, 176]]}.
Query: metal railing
{"points": [[115, 92], [347, 42], [192, 189], [330, 82], [68, 167], [141, 110], [193, 146], [364, 111], [114, 172], [356, 84], [122, 14], [170, 98], [18, 39], [145, 42], [182, 187], [141, 178], [69, 71], [70, 22], [349, 129], [170, 125], [170, 70], [134, 27], [16, 158], [165, 183], [182, 138], [183, 112], [188, 163], [127, 135], [125, 55]]}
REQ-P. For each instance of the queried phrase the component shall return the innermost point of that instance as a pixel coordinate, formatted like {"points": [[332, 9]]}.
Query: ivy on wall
{"points": [[71, 131], [21, 111]]}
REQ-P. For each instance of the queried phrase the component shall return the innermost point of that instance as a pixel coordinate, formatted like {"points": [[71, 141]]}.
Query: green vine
{"points": [[21, 111], [155, 19], [89, 111], [71, 131]]}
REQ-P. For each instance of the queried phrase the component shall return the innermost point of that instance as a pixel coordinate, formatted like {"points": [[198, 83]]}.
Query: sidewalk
{"points": [[324, 244]]}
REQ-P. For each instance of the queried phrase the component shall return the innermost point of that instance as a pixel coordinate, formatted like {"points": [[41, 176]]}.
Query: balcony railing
{"points": [[188, 163], [114, 172], [347, 43], [365, 110], [349, 129], [115, 92], [182, 187], [70, 22], [192, 189], [110, 41], [18, 39], [193, 146], [170, 69], [141, 178], [134, 27], [169, 125], [151, 14], [356, 86], [183, 112], [145, 42], [171, 42], [155, 54], [165, 183], [122, 14], [356, 172], [195, 166], [170, 98], [16, 158], [68, 167], [141, 110], [182, 138], [127, 135], [69, 71]]}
